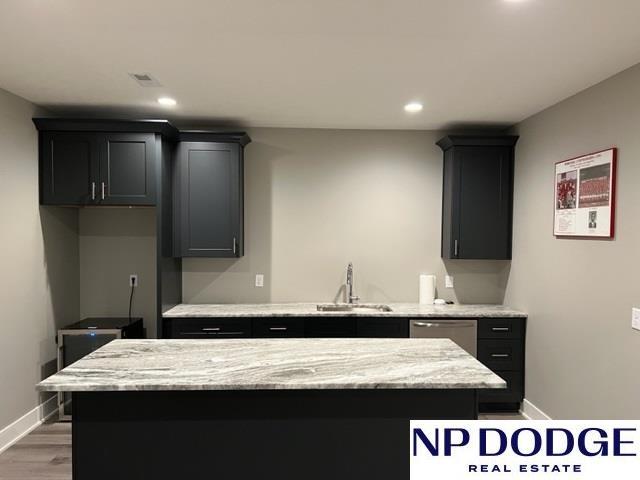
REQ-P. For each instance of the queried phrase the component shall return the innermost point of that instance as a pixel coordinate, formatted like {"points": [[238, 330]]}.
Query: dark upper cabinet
{"points": [[100, 162], [127, 167], [477, 198], [209, 196], [69, 165]]}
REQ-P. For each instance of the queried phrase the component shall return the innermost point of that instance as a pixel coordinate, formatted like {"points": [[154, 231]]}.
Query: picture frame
{"points": [[585, 196]]}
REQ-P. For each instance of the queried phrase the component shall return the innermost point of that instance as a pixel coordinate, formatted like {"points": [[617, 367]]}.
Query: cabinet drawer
{"points": [[501, 328], [383, 327], [339, 327], [501, 355], [278, 327], [210, 328], [514, 392]]}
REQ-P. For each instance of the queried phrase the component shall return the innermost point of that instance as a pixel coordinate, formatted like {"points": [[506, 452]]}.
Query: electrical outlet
{"points": [[133, 280], [259, 280], [635, 318], [448, 281]]}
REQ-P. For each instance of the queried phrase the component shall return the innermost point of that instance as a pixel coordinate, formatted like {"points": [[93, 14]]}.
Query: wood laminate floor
{"points": [[45, 454]]}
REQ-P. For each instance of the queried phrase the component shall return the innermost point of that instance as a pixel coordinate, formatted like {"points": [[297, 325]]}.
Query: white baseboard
{"points": [[27, 423], [531, 412]]}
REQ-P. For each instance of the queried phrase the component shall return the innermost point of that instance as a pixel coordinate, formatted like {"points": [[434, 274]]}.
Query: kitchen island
{"points": [[262, 408]]}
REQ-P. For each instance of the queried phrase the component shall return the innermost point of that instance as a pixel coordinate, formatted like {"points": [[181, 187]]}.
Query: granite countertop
{"points": [[405, 310], [274, 364]]}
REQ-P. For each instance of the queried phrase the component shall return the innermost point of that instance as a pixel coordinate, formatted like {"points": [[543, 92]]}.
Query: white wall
{"points": [[317, 199], [39, 265], [582, 355]]}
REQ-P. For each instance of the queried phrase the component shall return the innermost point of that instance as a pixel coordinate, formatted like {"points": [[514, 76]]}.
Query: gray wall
{"points": [[114, 243], [582, 354], [317, 199], [39, 258]]}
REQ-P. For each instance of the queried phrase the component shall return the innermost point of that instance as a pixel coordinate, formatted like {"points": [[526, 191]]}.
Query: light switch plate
{"points": [[259, 280], [448, 281], [635, 318]]}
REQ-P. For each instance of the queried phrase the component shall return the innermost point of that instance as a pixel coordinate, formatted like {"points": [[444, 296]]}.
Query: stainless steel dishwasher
{"points": [[462, 332]]}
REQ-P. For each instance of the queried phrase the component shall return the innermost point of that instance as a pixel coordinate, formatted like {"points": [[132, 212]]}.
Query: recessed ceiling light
{"points": [[167, 102], [413, 107]]}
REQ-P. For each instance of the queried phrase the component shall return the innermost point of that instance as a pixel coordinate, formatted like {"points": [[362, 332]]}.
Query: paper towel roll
{"points": [[427, 289]]}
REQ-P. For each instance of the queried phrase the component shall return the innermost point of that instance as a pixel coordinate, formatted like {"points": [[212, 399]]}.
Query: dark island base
{"points": [[242, 435]]}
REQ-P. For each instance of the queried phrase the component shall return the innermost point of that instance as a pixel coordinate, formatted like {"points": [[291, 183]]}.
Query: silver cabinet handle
{"points": [[500, 355], [211, 329], [499, 329], [234, 245], [93, 190], [231, 333], [278, 329], [103, 186], [455, 248]]}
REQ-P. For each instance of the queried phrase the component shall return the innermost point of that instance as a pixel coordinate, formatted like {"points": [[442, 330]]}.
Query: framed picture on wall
{"points": [[585, 197]]}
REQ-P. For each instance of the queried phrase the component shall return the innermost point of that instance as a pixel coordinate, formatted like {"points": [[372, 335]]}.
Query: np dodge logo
{"points": [[582, 450]]}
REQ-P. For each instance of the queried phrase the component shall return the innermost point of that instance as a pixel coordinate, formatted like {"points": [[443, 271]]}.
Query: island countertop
{"points": [[274, 364], [401, 310]]}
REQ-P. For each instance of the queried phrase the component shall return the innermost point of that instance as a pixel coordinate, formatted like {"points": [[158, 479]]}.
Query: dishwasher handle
{"points": [[447, 324]]}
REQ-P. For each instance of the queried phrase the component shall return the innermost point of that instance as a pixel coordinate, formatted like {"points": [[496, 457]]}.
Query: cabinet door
{"points": [[69, 168], [127, 169], [210, 197], [484, 199], [286, 327], [209, 328], [377, 327], [330, 327]]}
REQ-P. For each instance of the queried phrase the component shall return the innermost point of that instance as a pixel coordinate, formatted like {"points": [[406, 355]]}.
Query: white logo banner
{"points": [[576, 450]]}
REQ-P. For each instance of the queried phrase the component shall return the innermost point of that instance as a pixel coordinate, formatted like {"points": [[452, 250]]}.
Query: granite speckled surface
{"points": [[412, 310], [274, 364]]}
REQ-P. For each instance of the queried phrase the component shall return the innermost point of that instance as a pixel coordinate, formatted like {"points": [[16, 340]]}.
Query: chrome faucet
{"points": [[351, 298]]}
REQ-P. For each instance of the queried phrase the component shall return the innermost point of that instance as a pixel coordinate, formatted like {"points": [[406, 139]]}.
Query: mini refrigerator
{"points": [[81, 338]]}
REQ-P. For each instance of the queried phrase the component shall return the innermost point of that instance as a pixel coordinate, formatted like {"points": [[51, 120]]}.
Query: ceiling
{"points": [[315, 63]]}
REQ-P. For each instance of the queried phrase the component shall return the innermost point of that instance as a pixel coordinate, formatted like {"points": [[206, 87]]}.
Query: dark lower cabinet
{"points": [[331, 327], [501, 347], [202, 328], [501, 341], [285, 327], [509, 399], [501, 354], [380, 327]]}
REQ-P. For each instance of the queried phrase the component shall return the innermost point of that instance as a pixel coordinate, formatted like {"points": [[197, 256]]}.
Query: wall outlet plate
{"points": [[259, 280], [635, 318], [448, 281], [133, 280]]}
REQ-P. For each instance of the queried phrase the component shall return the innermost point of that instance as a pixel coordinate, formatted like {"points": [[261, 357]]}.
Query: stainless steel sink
{"points": [[358, 307]]}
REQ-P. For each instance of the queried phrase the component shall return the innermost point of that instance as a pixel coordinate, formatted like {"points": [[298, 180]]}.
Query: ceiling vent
{"points": [[145, 80]]}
